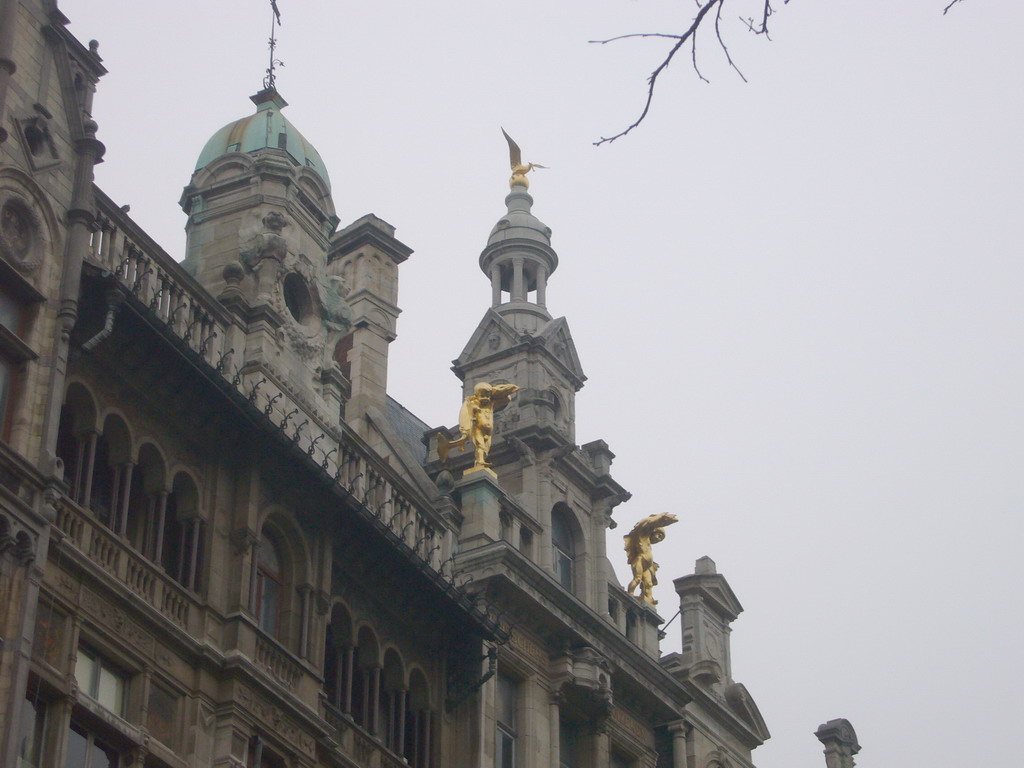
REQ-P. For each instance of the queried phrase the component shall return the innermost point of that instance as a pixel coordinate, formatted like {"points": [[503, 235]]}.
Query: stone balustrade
{"points": [[356, 743], [116, 557], [121, 247], [173, 296]]}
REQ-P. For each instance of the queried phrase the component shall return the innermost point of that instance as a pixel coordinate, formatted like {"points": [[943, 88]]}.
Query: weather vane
{"points": [[275, 21]]}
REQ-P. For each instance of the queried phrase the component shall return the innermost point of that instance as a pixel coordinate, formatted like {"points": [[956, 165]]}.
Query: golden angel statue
{"points": [[519, 170], [648, 531], [476, 422]]}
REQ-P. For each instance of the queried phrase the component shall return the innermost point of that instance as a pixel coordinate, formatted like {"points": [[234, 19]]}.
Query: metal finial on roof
{"points": [[275, 21]]}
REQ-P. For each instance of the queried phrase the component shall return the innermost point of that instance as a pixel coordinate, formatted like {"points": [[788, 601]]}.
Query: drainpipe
{"points": [[114, 299]]}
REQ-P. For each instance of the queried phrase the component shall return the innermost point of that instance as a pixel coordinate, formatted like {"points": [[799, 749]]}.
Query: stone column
{"points": [[254, 559], [305, 590], [428, 729], [840, 742], [76, 482], [542, 285], [495, 285], [350, 653], [126, 478], [90, 466], [679, 730], [374, 718], [403, 696], [161, 519], [602, 753], [518, 285], [554, 709], [193, 560]]}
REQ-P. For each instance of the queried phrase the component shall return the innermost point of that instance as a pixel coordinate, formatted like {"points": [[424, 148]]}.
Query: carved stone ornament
{"points": [[19, 235], [269, 244]]}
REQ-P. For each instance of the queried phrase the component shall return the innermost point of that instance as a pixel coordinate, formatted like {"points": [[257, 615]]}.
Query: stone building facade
{"points": [[223, 544]]}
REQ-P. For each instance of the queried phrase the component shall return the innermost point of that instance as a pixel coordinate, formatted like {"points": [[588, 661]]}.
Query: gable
{"points": [[558, 341], [492, 335]]}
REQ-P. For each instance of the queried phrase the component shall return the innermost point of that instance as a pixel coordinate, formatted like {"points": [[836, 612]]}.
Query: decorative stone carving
{"points": [[269, 244], [116, 619], [19, 235]]}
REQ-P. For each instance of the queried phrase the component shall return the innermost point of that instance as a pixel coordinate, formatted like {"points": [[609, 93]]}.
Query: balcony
{"points": [[357, 744], [107, 551]]}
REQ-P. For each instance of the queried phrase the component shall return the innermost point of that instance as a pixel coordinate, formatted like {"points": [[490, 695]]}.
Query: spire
{"points": [[275, 21]]}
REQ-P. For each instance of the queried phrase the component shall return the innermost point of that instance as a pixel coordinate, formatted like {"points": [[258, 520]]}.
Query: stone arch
{"points": [[341, 625], [226, 166], [78, 398], [339, 656], [179, 544], [366, 675], [282, 566], [419, 689], [118, 435], [393, 669], [419, 727], [393, 700], [151, 465], [76, 435], [148, 480], [113, 452], [292, 539], [367, 647]]}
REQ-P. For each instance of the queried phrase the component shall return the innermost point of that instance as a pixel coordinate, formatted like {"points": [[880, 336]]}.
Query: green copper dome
{"points": [[267, 128]]}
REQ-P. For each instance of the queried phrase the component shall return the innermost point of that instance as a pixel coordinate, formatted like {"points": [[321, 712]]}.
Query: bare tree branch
{"points": [[635, 34], [693, 57], [721, 42], [757, 26], [653, 79]]}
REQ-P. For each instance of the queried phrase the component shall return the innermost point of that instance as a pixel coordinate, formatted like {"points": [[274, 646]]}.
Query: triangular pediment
{"points": [[492, 335], [743, 705], [558, 340]]}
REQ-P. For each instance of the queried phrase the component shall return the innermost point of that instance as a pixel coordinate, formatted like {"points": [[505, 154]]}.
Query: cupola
{"points": [[266, 128]]}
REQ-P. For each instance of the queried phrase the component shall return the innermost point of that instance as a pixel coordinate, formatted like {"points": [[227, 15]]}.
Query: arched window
{"points": [[339, 658], [113, 454], [366, 680], [178, 543], [419, 739], [269, 586], [564, 551], [394, 700]]}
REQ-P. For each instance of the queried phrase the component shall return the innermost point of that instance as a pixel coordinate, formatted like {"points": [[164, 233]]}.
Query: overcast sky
{"points": [[798, 300]]}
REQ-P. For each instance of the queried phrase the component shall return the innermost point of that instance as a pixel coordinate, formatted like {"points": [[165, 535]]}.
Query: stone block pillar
{"points": [[840, 742], [481, 508]]}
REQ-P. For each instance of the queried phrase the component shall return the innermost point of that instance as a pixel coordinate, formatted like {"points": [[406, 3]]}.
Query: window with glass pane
{"points": [[561, 541], [160, 714], [84, 750], [33, 721], [268, 586], [101, 680], [506, 717]]}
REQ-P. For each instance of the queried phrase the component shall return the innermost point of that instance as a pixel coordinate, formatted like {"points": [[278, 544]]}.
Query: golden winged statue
{"points": [[476, 422], [648, 531], [519, 170]]}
